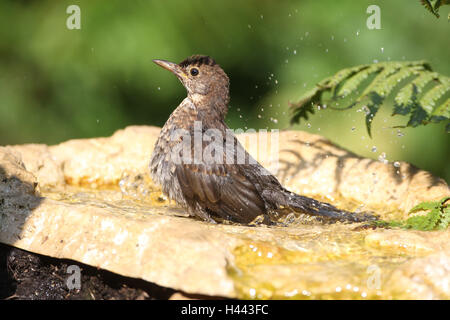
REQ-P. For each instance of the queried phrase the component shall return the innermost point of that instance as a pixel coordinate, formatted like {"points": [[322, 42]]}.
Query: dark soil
{"points": [[29, 276]]}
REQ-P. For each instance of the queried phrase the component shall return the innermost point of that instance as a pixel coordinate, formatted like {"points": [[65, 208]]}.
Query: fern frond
{"points": [[443, 110], [445, 217], [437, 4], [387, 70], [438, 217], [405, 95], [353, 83], [384, 88], [429, 99], [342, 75], [427, 4], [414, 98]]}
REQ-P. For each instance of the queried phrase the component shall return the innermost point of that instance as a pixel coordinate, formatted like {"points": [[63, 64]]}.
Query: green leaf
{"points": [[353, 83], [374, 106], [343, 74], [430, 205], [384, 88], [438, 217], [427, 4], [443, 110], [405, 95], [437, 4], [418, 116], [414, 98], [429, 99]]}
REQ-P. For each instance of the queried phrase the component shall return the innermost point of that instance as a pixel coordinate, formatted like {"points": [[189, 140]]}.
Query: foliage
{"points": [[415, 98], [438, 217], [434, 9]]}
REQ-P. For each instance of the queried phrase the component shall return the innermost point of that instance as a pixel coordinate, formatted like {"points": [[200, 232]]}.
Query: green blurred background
{"points": [[58, 84]]}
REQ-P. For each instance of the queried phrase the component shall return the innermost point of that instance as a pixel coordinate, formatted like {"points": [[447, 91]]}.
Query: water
{"points": [[299, 258], [313, 262]]}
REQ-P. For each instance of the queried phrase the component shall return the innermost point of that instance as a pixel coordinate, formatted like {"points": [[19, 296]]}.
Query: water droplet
{"points": [[259, 116], [397, 164], [382, 49], [366, 110], [159, 88], [382, 158], [353, 129], [295, 51], [261, 16], [308, 125], [249, 26], [400, 134], [374, 149]]}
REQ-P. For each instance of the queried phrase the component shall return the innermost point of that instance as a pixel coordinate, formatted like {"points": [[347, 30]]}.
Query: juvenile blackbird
{"points": [[214, 187]]}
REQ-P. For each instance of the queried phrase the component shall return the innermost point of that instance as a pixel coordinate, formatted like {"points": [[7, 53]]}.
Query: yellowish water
{"points": [[328, 262], [297, 261]]}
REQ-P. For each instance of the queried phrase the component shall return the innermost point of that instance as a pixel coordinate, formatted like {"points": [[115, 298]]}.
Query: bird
{"points": [[214, 188]]}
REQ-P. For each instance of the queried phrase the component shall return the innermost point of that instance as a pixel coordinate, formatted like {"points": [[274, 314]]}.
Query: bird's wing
{"points": [[221, 188]]}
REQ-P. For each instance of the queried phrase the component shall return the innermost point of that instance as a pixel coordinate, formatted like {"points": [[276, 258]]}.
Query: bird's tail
{"points": [[310, 206]]}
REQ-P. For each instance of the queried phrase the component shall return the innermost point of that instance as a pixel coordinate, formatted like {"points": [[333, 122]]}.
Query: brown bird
{"points": [[215, 187]]}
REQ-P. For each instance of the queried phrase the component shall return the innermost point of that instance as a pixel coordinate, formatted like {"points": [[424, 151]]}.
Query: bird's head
{"points": [[200, 75]]}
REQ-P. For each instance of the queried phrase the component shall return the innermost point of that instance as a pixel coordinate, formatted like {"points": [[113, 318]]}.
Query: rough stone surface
{"points": [[423, 278], [155, 241]]}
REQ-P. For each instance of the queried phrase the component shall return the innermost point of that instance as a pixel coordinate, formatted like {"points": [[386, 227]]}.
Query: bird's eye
{"points": [[194, 71]]}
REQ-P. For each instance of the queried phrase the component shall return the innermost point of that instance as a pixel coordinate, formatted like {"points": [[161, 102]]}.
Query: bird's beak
{"points": [[172, 67]]}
